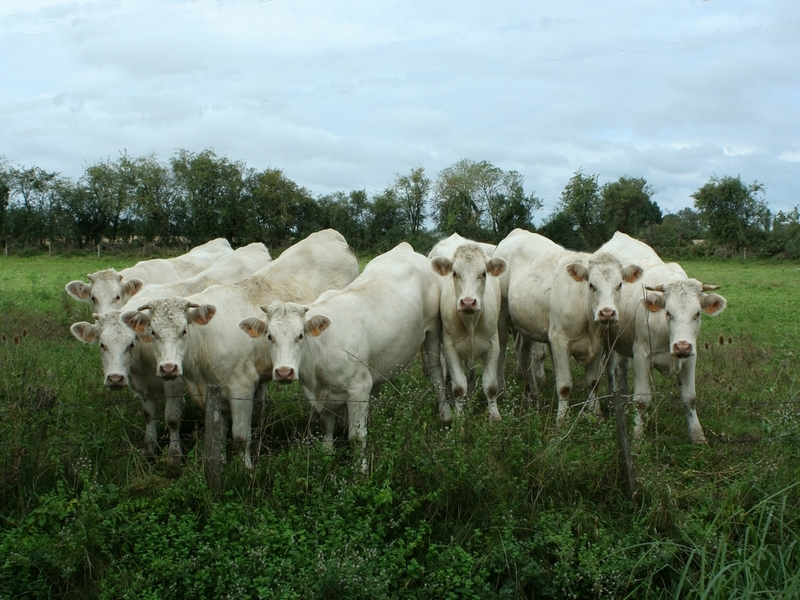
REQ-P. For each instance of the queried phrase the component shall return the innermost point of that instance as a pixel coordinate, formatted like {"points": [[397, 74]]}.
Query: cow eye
{"points": [[103, 347], [697, 316], [184, 332], [131, 346], [669, 315], [94, 299], [592, 288], [153, 333], [483, 275], [270, 338], [455, 275], [619, 287], [117, 298], [299, 337]]}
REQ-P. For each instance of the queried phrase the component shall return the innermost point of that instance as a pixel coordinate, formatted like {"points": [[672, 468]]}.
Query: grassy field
{"points": [[509, 510]]}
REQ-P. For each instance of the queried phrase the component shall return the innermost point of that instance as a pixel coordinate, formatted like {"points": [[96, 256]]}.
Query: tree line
{"points": [[194, 197]]}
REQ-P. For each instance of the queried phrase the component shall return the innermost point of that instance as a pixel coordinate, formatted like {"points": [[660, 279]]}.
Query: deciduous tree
{"points": [[731, 213]]}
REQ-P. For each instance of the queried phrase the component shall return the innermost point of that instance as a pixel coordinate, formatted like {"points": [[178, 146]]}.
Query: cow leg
{"points": [[642, 388], [617, 370], [537, 359], [561, 353], [327, 418], [471, 376], [592, 374], [524, 347], [433, 349], [173, 414], [686, 378], [240, 397], [503, 327], [459, 383], [489, 380], [150, 408], [357, 414]]}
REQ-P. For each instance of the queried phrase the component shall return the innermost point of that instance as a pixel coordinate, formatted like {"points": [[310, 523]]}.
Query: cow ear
{"points": [[577, 271], [253, 327], [136, 320], [713, 304], [654, 302], [201, 315], [442, 265], [79, 290], [317, 324], [132, 287], [85, 332], [496, 266], [631, 273]]}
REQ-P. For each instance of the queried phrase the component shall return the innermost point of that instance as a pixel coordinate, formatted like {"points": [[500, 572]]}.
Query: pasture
{"points": [[513, 509]]}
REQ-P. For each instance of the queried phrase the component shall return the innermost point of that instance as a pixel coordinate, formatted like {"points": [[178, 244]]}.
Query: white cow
{"points": [[343, 347], [469, 307], [629, 249], [198, 338], [128, 361], [447, 246], [562, 297], [658, 327], [109, 289]]}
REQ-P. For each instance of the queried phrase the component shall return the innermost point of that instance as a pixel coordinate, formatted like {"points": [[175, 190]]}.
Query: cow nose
{"points": [[284, 374], [115, 381], [468, 305], [168, 370], [682, 349], [606, 315]]}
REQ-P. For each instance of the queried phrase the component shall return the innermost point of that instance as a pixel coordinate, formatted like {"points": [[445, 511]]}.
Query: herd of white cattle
{"points": [[238, 319]]}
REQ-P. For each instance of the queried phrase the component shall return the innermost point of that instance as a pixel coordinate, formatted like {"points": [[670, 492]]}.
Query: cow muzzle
{"points": [[682, 349], [468, 305], [284, 375], [606, 315], [116, 381], [168, 371]]}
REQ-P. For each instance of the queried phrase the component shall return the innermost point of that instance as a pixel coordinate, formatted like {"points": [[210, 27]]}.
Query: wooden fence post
{"points": [[214, 437], [623, 446]]}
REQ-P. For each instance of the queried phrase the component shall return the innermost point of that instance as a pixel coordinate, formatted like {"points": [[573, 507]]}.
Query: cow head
{"points": [[105, 291], [117, 345], [468, 271], [604, 276], [682, 303], [166, 323], [286, 329]]}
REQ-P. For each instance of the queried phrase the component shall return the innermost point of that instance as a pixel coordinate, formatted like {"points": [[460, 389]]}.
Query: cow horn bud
{"points": [[708, 288], [654, 288], [145, 307]]}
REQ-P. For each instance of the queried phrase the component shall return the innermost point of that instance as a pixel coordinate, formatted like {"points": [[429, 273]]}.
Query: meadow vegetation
{"points": [[482, 510]]}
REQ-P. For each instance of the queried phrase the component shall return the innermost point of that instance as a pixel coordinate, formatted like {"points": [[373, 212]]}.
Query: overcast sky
{"points": [[347, 94]]}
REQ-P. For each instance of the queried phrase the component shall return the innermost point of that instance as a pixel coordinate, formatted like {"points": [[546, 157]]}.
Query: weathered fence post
{"points": [[623, 447], [214, 436]]}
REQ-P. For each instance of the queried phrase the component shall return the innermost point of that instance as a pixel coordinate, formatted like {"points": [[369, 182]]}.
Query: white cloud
{"points": [[346, 94]]}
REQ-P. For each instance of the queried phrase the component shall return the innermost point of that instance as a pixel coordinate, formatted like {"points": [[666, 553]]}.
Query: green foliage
{"points": [[513, 509], [411, 193], [627, 206], [580, 202], [481, 201], [675, 235], [733, 216]]}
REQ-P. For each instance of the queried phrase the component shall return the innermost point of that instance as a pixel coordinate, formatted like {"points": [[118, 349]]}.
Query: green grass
{"points": [[509, 510]]}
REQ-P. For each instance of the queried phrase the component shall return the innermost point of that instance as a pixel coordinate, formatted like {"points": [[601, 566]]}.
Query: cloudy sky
{"points": [[347, 94]]}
